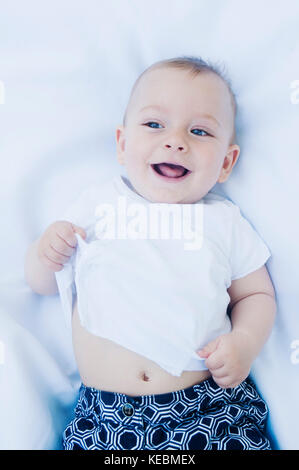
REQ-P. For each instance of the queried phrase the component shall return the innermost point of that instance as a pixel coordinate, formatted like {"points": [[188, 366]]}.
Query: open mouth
{"points": [[170, 171]]}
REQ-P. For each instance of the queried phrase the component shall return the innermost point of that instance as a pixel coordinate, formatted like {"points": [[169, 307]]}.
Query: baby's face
{"points": [[176, 144]]}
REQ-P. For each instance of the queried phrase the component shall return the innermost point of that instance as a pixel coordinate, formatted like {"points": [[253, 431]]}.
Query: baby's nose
{"points": [[180, 147]]}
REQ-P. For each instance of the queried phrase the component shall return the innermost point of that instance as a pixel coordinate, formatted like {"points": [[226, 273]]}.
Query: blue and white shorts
{"points": [[202, 417]]}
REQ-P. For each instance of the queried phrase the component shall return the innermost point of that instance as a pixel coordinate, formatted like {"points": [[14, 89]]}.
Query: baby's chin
{"points": [[167, 194]]}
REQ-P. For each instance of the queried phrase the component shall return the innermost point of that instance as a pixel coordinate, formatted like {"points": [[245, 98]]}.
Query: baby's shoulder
{"points": [[81, 211], [220, 204], [211, 196], [97, 192]]}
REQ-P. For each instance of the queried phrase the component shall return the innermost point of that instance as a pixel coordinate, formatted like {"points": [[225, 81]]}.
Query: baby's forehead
{"points": [[160, 79]]}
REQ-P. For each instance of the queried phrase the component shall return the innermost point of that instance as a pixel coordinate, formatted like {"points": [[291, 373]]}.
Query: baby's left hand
{"points": [[229, 358]]}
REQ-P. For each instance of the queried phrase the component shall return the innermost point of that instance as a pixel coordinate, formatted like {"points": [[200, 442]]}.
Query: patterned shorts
{"points": [[202, 417]]}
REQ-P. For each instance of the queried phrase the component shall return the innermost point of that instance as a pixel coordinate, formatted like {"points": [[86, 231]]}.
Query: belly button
{"points": [[144, 377]]}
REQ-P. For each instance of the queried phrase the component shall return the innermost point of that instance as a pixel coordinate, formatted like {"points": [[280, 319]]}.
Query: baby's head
{"points": [[178, 133]]}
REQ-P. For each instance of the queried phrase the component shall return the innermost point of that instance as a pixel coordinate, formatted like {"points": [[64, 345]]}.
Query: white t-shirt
{"points": [[154, 277]]}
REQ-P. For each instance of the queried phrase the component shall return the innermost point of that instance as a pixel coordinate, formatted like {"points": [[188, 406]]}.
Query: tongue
{"points": [[172, 171]]}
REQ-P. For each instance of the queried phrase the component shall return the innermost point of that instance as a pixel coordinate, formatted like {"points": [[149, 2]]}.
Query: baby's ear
{"points": [[120, 144], [229, 162]]}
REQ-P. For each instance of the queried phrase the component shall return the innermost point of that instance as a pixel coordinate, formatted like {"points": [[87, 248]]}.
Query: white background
{"points": [[67, 68]]}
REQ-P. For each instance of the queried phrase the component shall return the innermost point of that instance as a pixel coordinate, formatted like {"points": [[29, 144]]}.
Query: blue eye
{"points": [[200, 130], [152, 122]]}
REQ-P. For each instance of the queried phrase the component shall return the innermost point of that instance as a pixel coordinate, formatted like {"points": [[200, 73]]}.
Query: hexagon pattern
{"points": [[202, 417]]}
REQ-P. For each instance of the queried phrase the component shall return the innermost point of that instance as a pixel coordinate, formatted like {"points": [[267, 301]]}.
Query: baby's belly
{"points": [[106, 365]]}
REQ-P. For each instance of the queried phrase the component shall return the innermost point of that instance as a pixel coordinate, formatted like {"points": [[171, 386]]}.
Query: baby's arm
{"points": [[253, 307], [48, 254]]}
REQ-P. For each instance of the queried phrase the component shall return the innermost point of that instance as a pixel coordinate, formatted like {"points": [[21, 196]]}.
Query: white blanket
{"points": [[66, 70]]}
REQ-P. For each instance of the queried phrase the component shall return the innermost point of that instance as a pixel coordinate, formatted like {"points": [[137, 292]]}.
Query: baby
{"points": [[164, 331]]}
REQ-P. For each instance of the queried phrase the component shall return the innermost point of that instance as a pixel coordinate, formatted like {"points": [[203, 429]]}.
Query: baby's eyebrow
{"points": [[205, 116], [152, 107]]}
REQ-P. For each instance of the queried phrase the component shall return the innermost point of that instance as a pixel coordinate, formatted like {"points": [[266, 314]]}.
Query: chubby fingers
{"points": [[208, 349], [79, 230], [61, 243], [212, 354], [66, 233], [215, 361]]}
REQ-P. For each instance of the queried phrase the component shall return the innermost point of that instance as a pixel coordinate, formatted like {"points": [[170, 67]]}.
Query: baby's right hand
{"points": [[58, 243]]}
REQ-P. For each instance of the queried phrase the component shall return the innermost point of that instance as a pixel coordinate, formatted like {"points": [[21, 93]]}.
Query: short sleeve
{"points": [[248, 251], [80, 213]]}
